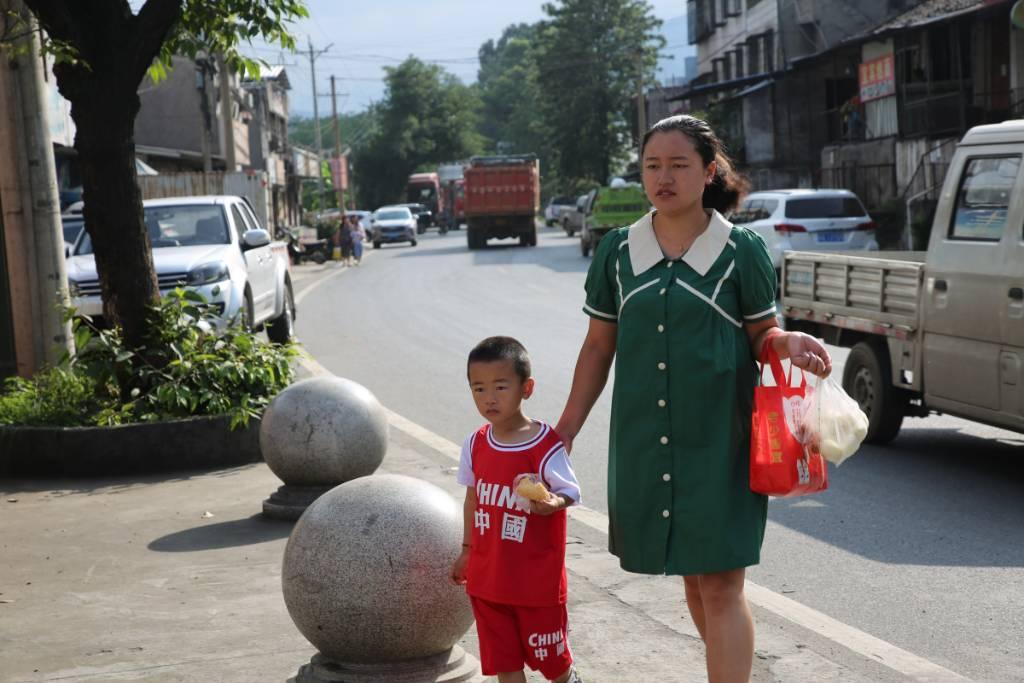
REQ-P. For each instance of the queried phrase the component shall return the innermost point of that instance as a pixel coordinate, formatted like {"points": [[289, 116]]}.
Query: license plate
{"points": [[831, 236]]}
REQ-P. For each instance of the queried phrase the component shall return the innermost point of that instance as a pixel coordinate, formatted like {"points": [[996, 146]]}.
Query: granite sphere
{"points": [[324, 431], [366, 571]]}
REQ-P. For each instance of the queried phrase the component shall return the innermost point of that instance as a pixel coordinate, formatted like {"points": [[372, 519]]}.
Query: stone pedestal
{"points": [[289, 502], [365, 579], [454, 666], [319, 433]]}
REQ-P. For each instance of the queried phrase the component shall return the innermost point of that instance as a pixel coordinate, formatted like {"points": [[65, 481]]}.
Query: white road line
{"points": [[855, 640], [304, 292]]}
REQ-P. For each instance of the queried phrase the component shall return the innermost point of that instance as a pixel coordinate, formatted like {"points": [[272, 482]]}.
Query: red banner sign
{"points": [[877, 78]]}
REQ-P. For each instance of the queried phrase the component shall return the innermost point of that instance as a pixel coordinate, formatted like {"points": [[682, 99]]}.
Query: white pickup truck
{"points": [[935, 331], [213, 245]]}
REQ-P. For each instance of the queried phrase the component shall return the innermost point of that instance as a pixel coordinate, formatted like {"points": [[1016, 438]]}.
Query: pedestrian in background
{"points": [[345, 240], [683, 302], [358, 237]]}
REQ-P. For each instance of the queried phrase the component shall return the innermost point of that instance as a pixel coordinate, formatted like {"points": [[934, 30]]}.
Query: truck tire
{"points": [[245, 313], [281, 329], [532, 237], [585, 246], [376, 244], [471, 239], [868, 379], [565, 226]]}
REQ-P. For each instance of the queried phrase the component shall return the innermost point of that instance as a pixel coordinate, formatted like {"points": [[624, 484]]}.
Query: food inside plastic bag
{"points": [[530, 487], [833, 422]]}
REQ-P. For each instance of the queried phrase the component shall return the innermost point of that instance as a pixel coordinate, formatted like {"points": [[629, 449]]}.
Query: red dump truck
{"points": [[502, 199]]}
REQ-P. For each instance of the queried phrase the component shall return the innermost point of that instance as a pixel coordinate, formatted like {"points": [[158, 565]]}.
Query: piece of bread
{"points": [[532, 490]]}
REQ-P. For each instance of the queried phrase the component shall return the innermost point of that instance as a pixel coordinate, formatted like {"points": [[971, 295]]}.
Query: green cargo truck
{"points": [[609, 208]]}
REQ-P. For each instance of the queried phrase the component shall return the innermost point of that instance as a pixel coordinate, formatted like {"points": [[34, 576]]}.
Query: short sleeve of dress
{"points": [[756, 275], [601, 285]]}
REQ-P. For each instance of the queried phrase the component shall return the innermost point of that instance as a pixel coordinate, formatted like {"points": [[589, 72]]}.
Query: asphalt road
{"points": [[919, 543]]}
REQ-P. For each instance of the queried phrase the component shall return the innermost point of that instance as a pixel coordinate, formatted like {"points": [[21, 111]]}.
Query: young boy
{"points": [[513, 550]]}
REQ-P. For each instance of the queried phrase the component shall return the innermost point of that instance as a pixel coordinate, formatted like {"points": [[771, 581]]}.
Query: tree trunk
{"points": [[113, 207], [116, 47]]}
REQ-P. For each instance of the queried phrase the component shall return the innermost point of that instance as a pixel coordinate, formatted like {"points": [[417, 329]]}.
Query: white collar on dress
{"points": [[645, 252]]}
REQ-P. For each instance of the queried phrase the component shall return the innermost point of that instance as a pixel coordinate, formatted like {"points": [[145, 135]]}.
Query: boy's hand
{"points": [[549, 505], [458, 573]]}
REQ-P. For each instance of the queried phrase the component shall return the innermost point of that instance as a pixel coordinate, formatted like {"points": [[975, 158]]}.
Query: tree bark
{"points": [[113, 210]]}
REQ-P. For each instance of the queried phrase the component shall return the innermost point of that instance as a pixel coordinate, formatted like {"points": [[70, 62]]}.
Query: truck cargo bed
{"points": [[876, 294]]}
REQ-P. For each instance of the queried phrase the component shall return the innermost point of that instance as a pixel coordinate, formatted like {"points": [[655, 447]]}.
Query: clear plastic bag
{"points": [[833, 423]]}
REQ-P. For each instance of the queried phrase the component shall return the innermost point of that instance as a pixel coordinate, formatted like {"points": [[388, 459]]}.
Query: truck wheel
{"points": [[245, 313], [868, 379], [376, 244], [319, 258], [412, 242], [281, 329], [585, 246], [532, 238], [568, 230]]}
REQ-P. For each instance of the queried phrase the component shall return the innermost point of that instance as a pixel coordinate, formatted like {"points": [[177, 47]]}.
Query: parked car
{"points": [[71, 225], [393, 224], [424, 217], [213, 245], [572, 221], [941, 330], [556, 209], [818, 220]]}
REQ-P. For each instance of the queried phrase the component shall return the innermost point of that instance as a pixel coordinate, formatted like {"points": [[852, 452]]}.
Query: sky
{"points": [[364, 37]]}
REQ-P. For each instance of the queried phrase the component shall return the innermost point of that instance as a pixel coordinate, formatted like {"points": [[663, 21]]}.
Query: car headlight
{"points": [[207, 273]]}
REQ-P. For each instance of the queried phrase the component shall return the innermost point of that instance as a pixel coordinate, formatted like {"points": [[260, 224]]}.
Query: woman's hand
{"points": [[458, 573], [807, 353]]}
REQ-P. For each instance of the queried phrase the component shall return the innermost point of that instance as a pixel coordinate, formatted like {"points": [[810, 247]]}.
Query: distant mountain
{"points": [[672, 65]]}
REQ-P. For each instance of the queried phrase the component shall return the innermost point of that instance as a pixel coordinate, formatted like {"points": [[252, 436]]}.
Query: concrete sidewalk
{"points": [[177, 578]]}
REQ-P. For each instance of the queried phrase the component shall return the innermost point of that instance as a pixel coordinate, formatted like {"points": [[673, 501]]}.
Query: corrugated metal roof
{"points": [[933, 10]]}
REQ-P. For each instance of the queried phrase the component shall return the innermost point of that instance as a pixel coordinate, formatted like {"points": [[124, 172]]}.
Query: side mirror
{"points": [[253, 239]]}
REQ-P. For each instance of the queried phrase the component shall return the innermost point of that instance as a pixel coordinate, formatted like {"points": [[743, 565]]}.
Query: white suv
{"points": [[807, 220]]}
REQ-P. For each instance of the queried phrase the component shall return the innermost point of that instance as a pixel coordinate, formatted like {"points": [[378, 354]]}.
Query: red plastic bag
{"points": [[781, 464]]}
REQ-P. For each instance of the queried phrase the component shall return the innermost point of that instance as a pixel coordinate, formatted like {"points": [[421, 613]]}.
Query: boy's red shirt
{"points": [[517, 558]]}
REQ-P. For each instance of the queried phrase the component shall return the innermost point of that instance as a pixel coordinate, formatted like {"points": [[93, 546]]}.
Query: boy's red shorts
{"points": [[511, 636]]}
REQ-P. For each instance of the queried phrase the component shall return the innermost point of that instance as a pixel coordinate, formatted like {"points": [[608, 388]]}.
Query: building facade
{"points": [[869, 96]]}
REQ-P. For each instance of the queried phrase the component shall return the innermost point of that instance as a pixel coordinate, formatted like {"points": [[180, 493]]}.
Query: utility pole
{"points": [[337, 142], [227, 113], [316, 121], [641, 105], [204, 69], [31, 233]]}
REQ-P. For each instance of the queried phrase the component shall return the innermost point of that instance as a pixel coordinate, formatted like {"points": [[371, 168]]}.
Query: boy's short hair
{"points": [[502, 348]]}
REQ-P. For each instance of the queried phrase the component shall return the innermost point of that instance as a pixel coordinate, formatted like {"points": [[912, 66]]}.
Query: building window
{"points": [[738, 60], [753, 55], [768, 42]]}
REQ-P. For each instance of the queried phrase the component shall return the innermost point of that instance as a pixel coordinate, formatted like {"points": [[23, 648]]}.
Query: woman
{"points": [[358, 237], [683, 302]]}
